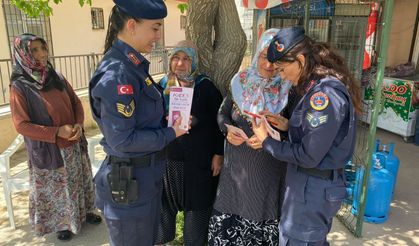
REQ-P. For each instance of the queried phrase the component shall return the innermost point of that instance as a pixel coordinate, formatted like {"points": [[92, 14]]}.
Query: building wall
{"points": [[4, 47], [402, 25], [173, 33], [72, 34]]}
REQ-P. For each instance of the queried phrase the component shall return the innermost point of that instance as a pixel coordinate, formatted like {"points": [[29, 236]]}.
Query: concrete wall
{"points": [[402, 25]]}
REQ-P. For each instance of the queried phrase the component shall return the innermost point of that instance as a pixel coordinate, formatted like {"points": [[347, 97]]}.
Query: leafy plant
{"points": [[179, 230], [33, 8], [182, 7]]}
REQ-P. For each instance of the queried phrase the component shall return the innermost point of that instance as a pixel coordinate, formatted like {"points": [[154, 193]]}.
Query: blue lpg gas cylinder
{"points": [[389, 161], [380, 186], [350, 176]]}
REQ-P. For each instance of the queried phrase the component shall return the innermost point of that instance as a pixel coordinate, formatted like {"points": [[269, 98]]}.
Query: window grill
{"points": [[18, 23], [97, 18]]}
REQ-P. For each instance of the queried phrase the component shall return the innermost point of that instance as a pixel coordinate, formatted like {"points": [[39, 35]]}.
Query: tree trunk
{"points": [[220, 57]]}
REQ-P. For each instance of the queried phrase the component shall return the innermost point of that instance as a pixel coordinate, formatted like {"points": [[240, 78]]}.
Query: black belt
{"points": [[140, 161], [323, 174]]}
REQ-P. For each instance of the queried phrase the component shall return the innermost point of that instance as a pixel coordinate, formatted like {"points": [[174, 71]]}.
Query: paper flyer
{"points": [[236, 131], [272, 132], [180, 104]]}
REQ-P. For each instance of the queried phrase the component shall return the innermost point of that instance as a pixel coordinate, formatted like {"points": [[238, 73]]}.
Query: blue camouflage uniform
{"points": [[322, 140], [129, 109]]}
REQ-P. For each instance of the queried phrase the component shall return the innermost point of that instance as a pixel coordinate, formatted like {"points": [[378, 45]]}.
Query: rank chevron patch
{"points": [[126, 110], [316, 121]]}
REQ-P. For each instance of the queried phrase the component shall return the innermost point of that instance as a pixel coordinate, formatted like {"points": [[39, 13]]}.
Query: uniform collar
{"points": [[134, 56]]}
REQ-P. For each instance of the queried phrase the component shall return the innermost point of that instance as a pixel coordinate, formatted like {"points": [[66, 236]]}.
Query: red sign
{"points": [[262, 4]]}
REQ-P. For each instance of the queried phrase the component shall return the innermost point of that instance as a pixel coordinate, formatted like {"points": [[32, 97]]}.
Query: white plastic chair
{"points": [[15, 182], [92, 143]]}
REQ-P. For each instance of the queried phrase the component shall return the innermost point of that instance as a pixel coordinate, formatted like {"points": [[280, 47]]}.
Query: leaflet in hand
{"points": [[272, 132], [180, 105], [236, 131]]}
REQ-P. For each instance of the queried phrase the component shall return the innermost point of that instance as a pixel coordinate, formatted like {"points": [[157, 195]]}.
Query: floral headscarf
{"points": [[252, 92], [23, 58]]}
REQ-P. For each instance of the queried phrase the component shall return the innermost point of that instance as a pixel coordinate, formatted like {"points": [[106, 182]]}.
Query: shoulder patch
{"points": [[316, 121], [134, 59], [126, 110], [319, 101], [125, 90]]}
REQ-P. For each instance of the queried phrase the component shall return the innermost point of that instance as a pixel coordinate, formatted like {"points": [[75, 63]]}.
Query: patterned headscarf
{"points": [[23, 58], [170, 79], [254, 93]]}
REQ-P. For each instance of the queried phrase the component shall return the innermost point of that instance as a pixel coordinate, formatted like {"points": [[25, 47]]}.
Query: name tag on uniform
{"points": [[148, 81]]}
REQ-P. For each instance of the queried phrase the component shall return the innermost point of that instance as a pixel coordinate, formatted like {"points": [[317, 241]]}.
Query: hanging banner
{"points": [[262, 4], [370, 35]]}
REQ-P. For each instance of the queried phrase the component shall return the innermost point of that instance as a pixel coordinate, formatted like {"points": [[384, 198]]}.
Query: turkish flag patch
{"points": [[125, 90]]}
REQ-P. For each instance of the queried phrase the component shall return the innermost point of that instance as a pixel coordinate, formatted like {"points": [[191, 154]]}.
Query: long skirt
{"points": [[230, 229], [59, 199], [195, 228]]}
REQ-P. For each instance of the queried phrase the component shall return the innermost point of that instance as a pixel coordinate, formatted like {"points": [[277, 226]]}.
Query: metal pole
{"points": [[386, 25], [307, 16]]}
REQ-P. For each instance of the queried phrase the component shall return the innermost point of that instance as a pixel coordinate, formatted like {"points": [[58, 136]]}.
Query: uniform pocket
{"points": [[152, 92], [335, 194], [150, 103]]}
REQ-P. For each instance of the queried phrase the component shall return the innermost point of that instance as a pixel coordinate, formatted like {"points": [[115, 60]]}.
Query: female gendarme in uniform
{"points": [[321, 131], [129, 109]]}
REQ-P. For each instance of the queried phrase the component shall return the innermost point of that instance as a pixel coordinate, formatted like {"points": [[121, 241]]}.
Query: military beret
{"points": [[284, 41], [144, 9]]}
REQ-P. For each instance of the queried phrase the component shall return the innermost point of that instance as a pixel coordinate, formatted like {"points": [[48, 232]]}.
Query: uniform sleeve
{"points": [[22, 122], [76, 103], [118, 119], [224, 114], [319, 130]]}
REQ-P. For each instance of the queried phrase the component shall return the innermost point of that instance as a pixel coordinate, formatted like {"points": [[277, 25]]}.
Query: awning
{"points": [[257, 4]]}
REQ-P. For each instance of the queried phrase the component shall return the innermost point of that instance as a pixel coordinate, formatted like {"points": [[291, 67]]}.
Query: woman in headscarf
{"points": [[249, 196], [47, 112], [322, 131], [194, 160]]}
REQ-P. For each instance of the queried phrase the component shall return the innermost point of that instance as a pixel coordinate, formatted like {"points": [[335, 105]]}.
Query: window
{"points": [[97, 18], [183, 22], [18, 23]]}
